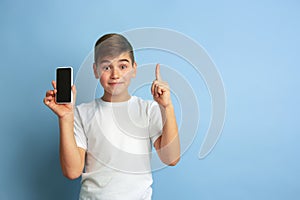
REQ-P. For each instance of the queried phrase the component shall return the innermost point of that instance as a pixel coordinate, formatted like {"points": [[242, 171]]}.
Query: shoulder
{"points": [[86, 110], [148, 105], [86, 106]]}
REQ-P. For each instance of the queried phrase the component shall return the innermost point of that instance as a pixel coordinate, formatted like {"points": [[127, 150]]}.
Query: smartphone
{"points": [[64, 82]]}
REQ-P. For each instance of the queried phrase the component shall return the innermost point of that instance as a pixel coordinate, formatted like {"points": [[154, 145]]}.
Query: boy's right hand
{"points": [[61, 110]]}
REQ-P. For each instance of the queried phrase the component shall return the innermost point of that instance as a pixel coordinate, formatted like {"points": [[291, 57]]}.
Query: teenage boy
{"points": [[111, 138]]}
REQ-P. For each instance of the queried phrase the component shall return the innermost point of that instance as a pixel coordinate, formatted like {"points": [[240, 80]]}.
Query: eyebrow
{"points": [[108, 61], [105, 61], [124, 60]]}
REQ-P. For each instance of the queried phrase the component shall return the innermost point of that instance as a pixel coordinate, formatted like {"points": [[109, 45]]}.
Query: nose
{"points": [[115, 74]]}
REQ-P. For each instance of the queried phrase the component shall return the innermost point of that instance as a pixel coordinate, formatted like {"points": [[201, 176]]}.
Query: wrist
{"points": [[169, 106], [66, 118]]}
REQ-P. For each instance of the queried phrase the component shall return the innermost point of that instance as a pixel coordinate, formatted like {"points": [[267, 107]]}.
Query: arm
{"points": [[168, 144], [71, 157]]}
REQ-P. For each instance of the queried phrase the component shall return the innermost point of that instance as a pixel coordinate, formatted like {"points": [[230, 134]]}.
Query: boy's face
{"points": [[115, 74]]}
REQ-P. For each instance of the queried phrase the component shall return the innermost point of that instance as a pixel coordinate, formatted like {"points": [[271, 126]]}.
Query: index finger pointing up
{"points": [[157, 72]]}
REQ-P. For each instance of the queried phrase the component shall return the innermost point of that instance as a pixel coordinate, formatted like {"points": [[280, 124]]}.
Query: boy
{"points": [[110, 138]]}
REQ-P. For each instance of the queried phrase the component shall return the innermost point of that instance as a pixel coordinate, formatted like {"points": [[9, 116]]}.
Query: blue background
{"points": [[254, 44]]}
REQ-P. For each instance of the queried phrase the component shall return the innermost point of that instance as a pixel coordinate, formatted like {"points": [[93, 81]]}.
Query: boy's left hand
{"points": [[160, 90]]}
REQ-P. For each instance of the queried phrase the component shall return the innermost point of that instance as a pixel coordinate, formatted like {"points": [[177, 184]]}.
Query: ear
{"points": [[134, 66], [95, 71]]}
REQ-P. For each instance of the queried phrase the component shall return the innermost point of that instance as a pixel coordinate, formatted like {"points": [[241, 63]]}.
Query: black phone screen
{"points": [[63, 85]]}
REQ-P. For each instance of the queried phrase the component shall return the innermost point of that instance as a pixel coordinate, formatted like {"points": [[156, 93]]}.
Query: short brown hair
{"points": [[112, 44]]}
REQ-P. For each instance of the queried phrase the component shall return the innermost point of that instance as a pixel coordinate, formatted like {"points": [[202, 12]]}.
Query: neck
{"points": [[115, 98]]}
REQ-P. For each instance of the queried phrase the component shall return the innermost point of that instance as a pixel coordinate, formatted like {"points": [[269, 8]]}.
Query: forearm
{"points": [[70, 157], [169, 143]]}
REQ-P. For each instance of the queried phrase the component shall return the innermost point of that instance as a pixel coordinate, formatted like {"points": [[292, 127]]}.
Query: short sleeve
{"points": [[80, 137], [155, 121]]}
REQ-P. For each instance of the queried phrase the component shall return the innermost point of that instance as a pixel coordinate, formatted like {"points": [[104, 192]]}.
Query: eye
{"points": [[105, 68], [123, 66]]}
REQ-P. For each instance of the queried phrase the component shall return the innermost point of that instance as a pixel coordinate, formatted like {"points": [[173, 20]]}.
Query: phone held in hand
{"points": [[64, 82]]}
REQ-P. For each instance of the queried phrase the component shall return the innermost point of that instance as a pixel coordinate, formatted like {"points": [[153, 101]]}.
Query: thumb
{"points": [[74, 91]]}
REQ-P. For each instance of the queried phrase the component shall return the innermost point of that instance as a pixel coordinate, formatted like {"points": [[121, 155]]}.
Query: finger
{"points": [[49, 93], [155, 82], [156, 94], [47, 100], [162, 89], [159, 90], [54, 84], [152, 88], [157, 72]]}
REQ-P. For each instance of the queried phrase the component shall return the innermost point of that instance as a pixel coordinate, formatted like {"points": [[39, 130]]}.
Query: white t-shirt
{"points": [[118, 139]]}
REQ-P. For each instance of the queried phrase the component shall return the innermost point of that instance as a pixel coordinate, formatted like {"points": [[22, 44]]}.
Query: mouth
{"points": [[115, 83]]}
